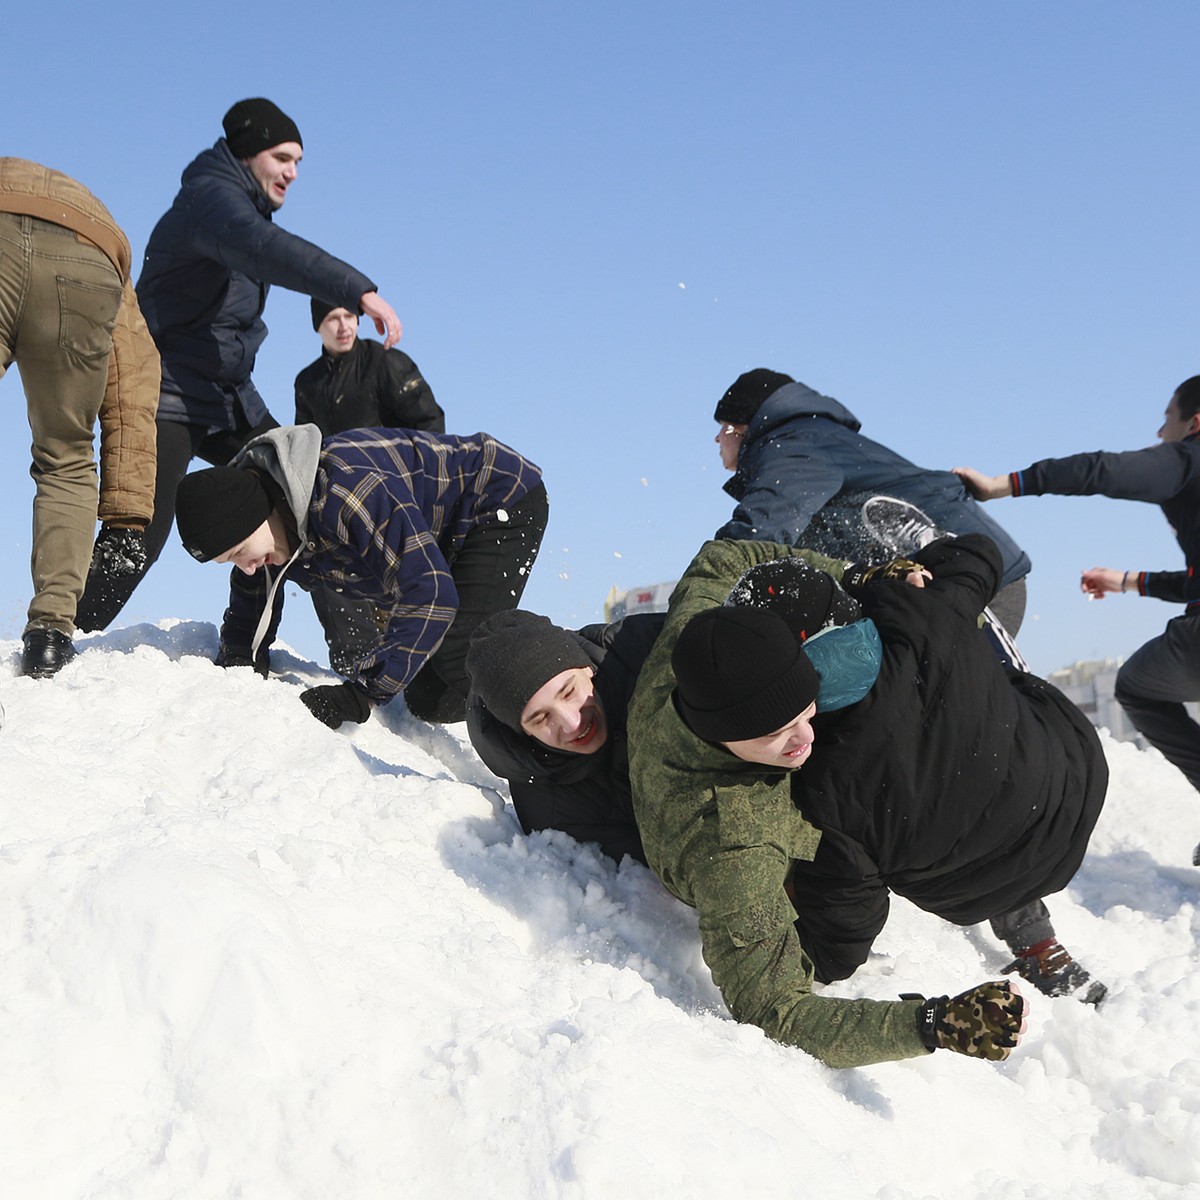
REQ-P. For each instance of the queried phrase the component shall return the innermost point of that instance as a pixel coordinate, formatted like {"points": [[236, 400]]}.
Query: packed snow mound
{"points": [[243, 955]]}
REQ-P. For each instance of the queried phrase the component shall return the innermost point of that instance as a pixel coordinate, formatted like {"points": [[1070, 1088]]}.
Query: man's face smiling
{"points": [[566, 714], [339, 331], [266, 544], [275, 170], [788, 747]]}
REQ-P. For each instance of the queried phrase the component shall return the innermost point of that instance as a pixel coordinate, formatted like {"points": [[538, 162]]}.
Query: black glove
{"points": [[230, 656], [119, 553], [984, 1022], [857, 576], [337, 702]]}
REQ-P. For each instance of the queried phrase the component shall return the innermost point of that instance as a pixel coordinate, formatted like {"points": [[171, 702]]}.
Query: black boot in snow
{"points": [[1054, 972], [45, 652]]}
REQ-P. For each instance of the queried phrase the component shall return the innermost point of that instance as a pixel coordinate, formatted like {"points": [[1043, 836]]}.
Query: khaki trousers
{"points": [[59, 297]]}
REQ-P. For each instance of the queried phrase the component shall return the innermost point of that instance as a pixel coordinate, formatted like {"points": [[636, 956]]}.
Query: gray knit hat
{"points": [[512, 654]]}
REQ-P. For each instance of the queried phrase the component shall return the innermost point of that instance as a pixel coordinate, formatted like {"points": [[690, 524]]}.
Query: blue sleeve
{"points": [[226, 227]]}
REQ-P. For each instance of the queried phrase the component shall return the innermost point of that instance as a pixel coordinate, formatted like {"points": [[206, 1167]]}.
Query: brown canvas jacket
{"points": [[127, 431]]}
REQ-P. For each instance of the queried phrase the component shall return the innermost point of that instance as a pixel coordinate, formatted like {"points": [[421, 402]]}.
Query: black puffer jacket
{"points": [[363, 388], [969, 789], [584, 795], [209, 264]]}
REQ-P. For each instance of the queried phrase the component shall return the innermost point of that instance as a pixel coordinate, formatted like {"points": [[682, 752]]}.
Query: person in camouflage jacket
{"points": [[723, 834]]}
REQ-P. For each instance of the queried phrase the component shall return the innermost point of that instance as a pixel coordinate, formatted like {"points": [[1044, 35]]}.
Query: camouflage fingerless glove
{"points": [[984, 1022], [858, 575]]}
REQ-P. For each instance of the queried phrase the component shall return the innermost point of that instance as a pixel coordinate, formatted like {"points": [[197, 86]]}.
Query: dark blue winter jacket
{"points": [[805, 471], [209, 264], [1167, 475]]}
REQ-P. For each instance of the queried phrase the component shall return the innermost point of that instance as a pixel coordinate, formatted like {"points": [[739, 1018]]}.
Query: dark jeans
{"points": [[103, 596], [350, 627], [490, 572], [1153, 686], [1023, 927]]}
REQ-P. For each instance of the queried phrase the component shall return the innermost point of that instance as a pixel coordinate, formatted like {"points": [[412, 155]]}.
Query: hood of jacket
{"points": [[290, 455], [219, 162], [799, 400]]}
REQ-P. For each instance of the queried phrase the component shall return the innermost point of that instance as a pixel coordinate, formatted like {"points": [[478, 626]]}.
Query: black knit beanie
{"points": [[255, 125], [219, 507], [320, 310], [740, 673], [807, 599], [746, 396], [512, 654]]}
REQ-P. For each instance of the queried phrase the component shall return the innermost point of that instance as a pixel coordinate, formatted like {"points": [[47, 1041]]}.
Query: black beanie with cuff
{"points": [[219, 507], [254, 125], [740, 673], [746, 395]]}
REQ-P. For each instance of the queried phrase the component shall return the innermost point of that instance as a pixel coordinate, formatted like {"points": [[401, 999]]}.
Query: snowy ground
{"points": [[242, 955]]}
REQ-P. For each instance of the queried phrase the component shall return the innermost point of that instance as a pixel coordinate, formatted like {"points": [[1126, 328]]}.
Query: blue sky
{"points": [[973, 225]]}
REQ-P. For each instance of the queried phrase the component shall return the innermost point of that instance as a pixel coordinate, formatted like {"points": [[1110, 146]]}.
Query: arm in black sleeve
{"points": [[841, 905], [407, 401], [579, 810]]}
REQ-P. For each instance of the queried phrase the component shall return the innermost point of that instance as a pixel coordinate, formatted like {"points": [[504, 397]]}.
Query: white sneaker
{"points": [[902, 527]]}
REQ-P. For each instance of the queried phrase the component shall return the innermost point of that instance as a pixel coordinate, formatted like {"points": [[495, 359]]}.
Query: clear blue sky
{"points": [[972, 224]]}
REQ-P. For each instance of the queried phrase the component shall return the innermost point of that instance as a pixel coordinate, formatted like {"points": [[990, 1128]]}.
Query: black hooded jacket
{"points": [[585, 795], [965, 787]]}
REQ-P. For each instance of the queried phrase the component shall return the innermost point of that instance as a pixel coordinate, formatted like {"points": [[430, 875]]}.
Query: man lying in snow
{"points": [[773, 758]]}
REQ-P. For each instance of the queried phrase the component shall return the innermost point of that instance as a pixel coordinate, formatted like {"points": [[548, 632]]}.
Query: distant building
{"points": [[1090, 685], [650, 599]]}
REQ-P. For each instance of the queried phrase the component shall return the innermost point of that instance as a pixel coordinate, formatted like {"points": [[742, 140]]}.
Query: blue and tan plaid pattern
{"points": [[389, 511]]}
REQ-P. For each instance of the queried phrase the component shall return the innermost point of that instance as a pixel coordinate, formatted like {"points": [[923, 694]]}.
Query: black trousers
{"points": [[490, 572], [350, 627], [1155, 684], [104, 597]]}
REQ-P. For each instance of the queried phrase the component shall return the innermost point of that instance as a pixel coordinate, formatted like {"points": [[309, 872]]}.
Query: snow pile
{"points": [[244, 955]]}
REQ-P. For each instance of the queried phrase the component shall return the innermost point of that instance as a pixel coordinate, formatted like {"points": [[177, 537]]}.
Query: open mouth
{"points": [[586, 736]]}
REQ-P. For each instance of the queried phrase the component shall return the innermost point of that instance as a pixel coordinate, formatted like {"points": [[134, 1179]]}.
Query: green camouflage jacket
{"points": [[722, 834]]}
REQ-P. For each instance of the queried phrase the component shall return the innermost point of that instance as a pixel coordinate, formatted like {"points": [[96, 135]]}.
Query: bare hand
{"points": [[984, 487], [917, 578], [1097, 581], [383, 315]]}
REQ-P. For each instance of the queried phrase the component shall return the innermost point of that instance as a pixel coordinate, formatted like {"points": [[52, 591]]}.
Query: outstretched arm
{"points": [[984, 487], [1097, 582]]}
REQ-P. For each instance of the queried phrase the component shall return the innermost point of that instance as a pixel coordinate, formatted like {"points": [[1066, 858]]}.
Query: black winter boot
{"points": [[46, 652], [1054, 972]]}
